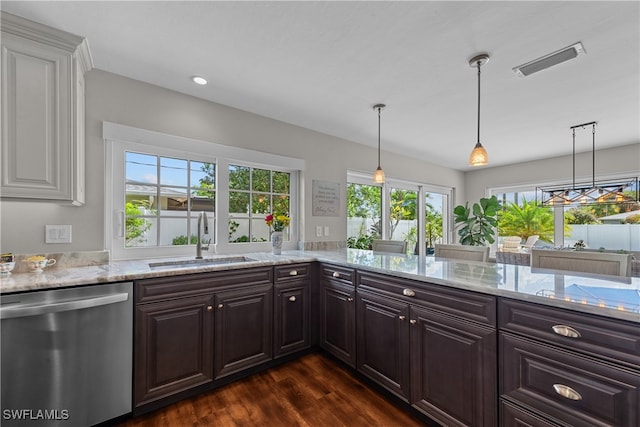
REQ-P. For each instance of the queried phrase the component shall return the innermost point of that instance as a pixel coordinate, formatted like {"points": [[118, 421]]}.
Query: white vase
{"points": [[276, 242]]}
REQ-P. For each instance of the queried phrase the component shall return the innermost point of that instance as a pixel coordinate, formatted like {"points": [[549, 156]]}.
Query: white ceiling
{"points": [[323, 65]]}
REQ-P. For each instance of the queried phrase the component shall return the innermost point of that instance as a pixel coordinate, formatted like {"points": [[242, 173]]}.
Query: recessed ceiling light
{"points": [[199, 80]]}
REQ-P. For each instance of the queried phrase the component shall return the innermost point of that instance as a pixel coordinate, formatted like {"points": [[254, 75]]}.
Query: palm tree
{"points": [[527, 220]]}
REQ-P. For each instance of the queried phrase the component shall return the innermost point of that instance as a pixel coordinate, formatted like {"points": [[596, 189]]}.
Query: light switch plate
{"points": [[57, 233], [319, 231], [326, 230]]}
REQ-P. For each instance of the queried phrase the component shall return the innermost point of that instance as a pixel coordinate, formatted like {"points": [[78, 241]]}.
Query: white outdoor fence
{"points": [[610, 236]]}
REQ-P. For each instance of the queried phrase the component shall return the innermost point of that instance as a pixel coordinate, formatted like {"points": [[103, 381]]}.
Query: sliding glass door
{"points": [[397, 210]]}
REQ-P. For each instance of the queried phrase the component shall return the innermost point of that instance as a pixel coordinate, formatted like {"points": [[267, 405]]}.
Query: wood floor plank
{"points": [[313, 391]]}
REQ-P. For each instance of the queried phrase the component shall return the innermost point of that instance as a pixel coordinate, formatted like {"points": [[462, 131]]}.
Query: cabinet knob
{"points": [[336, 274], [220, 306], [566, 391], [402, 317], [350, 299], [413, 321], [292, 298], [293, 273], [566, 331], [408, 293], [209, 307]]}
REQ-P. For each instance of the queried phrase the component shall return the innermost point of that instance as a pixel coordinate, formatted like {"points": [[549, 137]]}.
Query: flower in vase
{"points": [[277, 221]]}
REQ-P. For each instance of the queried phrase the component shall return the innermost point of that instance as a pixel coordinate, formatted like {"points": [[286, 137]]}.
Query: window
{"points": [[413, 212], [155, 193], [253, 194], [611, 226], [161, 194], [364, 213]]}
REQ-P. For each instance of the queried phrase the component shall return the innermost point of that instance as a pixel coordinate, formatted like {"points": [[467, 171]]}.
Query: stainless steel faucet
{"points": [[200, 244]]}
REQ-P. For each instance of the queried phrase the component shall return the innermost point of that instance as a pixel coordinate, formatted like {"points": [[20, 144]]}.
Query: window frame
{"points": [[120, 138], [422, 189]]}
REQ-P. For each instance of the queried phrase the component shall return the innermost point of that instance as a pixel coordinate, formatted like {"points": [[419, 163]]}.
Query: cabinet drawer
{"points": [[570, 389], [338, 273], [614, 340], [512, 416], [292, 271], [469, 305], [160, 288]]}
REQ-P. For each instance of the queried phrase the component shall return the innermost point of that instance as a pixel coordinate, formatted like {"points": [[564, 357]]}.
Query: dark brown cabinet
{"points": [[337, 312], [383, 342], [243, 329], [174, 342], [292, 305], [459, 357], [567, 368], [453, 369], [432, 346], [195, 328]]}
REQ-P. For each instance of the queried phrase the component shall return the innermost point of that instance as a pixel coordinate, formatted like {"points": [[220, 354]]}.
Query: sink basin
{"points": [[198, 262]]}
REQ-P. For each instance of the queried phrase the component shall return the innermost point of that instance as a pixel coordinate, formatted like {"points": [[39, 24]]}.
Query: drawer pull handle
{"points": [[209, 308], [566, 391], [292, 298], [402, 317], [220, 306], [408, 293], [350, 299], [413, 321], [566, 331], [293, 273], [336, 274]]}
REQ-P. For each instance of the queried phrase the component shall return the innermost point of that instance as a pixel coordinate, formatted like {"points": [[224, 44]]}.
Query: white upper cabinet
{"points": [[42, 112]]}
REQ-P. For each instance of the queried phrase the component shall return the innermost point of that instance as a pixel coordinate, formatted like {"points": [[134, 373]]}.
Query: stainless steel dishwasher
{"points": [[66, 355]]}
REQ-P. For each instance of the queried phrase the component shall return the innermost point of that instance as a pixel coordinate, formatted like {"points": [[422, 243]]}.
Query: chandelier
{"points": [[622, 190]]}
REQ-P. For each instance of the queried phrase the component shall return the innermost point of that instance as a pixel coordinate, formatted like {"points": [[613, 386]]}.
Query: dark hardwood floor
{"points": [[312, 391]]}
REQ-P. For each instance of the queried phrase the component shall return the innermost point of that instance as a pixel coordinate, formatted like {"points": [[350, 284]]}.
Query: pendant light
{"points": [[615, 191], [479, 156], [378, 175]]}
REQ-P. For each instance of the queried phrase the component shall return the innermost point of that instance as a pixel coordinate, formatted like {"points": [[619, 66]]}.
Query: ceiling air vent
{"points": [[550, 60]]}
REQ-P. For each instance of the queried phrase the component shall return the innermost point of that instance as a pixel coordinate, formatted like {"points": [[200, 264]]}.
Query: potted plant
{"points": [[478, 223], [432, 230]]}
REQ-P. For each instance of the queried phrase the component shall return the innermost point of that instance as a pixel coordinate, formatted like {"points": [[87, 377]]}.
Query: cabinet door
{"points": [[383, 341], [291, 317], [243, 329], [453, 369], [338, 320], [42, 111], [173, 347]]}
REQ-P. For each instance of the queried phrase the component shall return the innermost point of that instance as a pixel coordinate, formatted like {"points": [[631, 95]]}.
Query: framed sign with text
{"points": [[325, 198]]}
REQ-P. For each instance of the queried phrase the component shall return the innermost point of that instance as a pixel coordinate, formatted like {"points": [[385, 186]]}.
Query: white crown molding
{"points": [[40, 33]]}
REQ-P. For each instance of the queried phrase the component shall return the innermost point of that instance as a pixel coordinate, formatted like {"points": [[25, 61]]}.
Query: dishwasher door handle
{"points": [[24, 310]]}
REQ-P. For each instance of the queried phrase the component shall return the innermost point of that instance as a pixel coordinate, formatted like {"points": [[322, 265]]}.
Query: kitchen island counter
{"points": [[610, 296]]}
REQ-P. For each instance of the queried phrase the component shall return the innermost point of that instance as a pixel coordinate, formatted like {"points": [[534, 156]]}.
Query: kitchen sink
{"points": [[185, 263]]}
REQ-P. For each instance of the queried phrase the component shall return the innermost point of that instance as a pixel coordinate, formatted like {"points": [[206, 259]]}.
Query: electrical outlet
{"points": [[57, 234], [319, 231], [326, 230]]}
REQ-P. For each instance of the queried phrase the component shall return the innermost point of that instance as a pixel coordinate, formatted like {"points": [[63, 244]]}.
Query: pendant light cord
{"points": [[478, 102], [379, 108], [593, 156]]}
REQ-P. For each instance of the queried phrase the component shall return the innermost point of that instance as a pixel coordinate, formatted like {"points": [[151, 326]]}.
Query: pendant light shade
{"points": [[378, 175], [479, 156]]}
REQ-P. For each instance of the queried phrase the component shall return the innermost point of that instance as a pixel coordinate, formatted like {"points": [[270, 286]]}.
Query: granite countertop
{"points": [[616, 297]]}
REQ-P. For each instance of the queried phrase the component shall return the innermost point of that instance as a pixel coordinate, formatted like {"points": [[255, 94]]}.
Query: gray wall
{"points": [[117, 99]]}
